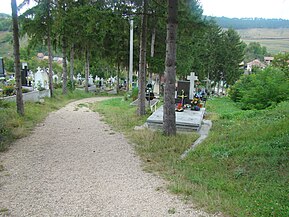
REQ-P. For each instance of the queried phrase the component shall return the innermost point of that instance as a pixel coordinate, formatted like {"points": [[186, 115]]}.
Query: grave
{"points": [[2, 72], [183, 88], [41, 79], [192, 78], [187, 121], [90, 80], [24, 74]]}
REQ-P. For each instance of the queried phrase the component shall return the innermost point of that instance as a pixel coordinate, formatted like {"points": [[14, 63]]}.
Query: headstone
{"points": [[41, 79], [2, 74], [30, 78], [24, 74], [90, 80], [192, 78], [55, 79], [183, 88]]}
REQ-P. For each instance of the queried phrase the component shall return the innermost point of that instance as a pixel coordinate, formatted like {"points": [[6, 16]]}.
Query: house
{"points": [[255, 63], [268, 60], [40, 55]]}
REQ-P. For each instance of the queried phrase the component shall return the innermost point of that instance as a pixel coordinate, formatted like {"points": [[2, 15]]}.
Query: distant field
{"points": [[276, 40]]}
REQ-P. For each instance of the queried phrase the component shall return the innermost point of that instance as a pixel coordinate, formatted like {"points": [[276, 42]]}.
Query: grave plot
{"points": [[188, 120]]}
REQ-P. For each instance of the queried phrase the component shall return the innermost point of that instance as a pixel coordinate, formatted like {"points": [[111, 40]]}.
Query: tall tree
{"points": [[169, 116], [16, 47], [37, 24], [142, 61]]}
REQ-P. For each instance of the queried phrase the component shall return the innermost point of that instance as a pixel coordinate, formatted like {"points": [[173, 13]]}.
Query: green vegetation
{"points": [[13, 126], [261, 90], [241, 169]]}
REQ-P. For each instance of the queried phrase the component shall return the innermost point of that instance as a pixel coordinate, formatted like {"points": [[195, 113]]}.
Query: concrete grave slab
{"points": [[188, 120]]}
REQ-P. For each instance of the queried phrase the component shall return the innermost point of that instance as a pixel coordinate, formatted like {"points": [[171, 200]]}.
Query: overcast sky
{"points": [[226, 8]]}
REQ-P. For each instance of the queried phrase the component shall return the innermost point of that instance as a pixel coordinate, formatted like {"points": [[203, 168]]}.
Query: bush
{"points": [[8, 90], [261, 90], [71, 85], [134, 93]]}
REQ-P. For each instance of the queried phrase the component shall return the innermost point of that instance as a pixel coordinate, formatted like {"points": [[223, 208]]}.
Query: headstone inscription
{"points": [[2, 74]]}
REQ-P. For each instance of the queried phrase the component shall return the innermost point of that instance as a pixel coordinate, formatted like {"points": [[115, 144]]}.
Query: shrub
{"points": [[134, 93], [71, 85], [9, 90], [261, 90]]}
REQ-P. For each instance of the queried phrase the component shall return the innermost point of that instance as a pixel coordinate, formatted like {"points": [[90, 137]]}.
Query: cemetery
{"points": [[189, 107], [139, 105]]}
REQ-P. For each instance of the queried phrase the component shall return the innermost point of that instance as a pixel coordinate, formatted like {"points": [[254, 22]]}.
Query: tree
{"points": [[169, 116], [254, 50], [142, 61], [16, 47], [37, 24]]}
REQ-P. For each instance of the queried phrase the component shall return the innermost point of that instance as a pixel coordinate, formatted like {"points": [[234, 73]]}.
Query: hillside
{"points": [[275, 40], [271, 33], [249, 23]]}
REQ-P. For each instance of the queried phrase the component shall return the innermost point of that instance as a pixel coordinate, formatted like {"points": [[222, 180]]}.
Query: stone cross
{"points": [[38, 69], [192, 79]]}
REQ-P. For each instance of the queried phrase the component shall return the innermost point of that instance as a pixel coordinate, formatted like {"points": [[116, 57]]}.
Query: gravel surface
{"points": [[73, 164]]}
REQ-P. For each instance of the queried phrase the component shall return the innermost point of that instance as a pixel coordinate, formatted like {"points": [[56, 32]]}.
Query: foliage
{"points": [[134, 93], [8, 90], [282, 61], [5, 23], [261, 90], [241, 169], [254, 50], [70, 85]]}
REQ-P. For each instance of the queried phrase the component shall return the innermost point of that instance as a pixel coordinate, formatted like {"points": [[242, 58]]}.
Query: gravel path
{"points": [[73, 164]]}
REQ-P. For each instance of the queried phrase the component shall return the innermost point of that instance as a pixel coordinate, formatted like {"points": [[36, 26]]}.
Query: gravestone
{"points": [[2, 74], [24, 74], [79, 79], [41, 79], [192, 78], [90, 80], [55, 79], [183, 86]]}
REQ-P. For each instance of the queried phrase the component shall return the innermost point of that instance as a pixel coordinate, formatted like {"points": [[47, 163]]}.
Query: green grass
{"points": [[242, 168], [13, 126]]}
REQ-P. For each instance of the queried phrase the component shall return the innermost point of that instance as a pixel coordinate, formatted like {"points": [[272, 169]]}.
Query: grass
{"points": [[242, 168], [13, 126]]}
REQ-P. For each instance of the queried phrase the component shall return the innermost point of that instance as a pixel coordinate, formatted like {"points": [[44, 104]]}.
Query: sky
{"points": [[226, 8], [246, 8]]}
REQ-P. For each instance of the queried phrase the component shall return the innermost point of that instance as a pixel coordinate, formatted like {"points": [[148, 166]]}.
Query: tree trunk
{"points": [[72, 66], [16, 47], [86, 69], [64, 65], [118, 73], [50, 75], [142, 62], [169, 116], [152, 51]]}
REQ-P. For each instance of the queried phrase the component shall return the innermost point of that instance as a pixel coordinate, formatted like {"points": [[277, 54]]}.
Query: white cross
{"points": [[38, 69], [192, 79]]}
